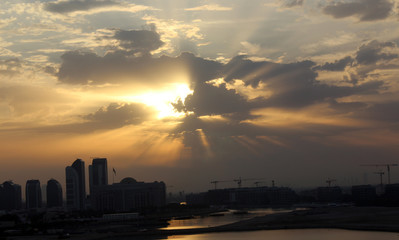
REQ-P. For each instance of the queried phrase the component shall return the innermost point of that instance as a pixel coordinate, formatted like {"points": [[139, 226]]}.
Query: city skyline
{"points": [[189, 92], [104, 196]]}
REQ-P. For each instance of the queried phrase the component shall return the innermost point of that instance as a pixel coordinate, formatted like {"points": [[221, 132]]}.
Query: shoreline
{"points": [[345, 218]]}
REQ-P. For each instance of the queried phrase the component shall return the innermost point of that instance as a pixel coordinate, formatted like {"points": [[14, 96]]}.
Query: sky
{"points": [[189, 92]]}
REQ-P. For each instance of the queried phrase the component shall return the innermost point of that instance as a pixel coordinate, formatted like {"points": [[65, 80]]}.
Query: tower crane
{"points": [[387, 165], [216, 182], [240, 180]]}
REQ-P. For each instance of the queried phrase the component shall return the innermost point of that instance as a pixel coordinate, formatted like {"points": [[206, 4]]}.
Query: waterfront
{"points": [[301, 234], [222, 218]]}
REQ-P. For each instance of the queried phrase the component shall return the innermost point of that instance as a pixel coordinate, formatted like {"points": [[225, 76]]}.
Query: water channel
{"points": [[305, 234], [302, 234], [221, 218], [289, 234]]}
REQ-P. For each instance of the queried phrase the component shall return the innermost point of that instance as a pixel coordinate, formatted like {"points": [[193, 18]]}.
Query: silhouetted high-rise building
{"points": [[12, 196], [33, 194], [54, 193], [72, 188], [98, 173], [79, 166], [2, 198]]}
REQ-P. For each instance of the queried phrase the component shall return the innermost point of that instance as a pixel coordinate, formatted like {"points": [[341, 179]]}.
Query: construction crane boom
{"points": [[215, 182], [387, 165], [240, 180]]}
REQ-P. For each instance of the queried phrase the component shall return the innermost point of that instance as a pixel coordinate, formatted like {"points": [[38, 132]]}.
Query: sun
{"points": [[161, 99]]}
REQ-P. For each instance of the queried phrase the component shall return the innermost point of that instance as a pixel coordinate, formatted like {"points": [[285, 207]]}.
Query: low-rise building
{"points": [[257, 196], [128, 195], [364, 195]]}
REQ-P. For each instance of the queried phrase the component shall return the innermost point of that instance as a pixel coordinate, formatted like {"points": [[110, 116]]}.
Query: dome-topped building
{"points": [[129, 195], [128, 180]]}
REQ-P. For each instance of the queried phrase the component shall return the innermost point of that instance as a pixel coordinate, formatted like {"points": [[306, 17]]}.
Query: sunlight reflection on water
{"points": [[228, 217], [306, 234]]}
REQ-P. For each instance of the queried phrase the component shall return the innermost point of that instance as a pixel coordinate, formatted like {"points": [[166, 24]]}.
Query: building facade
{"points": [[54, 193], [129, 195], [98, 173], [72, 189], [33, 194], [10, 196], [256, 196], [76, 185], [364, 195], [329, 194]]}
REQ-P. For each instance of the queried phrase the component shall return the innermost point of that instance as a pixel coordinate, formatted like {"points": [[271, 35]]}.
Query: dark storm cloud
{"points": [[117, 115], [282, 76], [88, 68], [142, 41], [113, 116], [200, 70], [215, 100], [10, 67], [319, 93], [292, 3], [131, 57], [372, 57], [78, 67], [65, 6], [338, 65], [372, 52], [292, 85], [365, 10]]}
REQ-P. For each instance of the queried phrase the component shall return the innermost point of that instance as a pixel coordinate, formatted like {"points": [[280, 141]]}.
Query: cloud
{"points": [[293, 85], [91, 6], [373, 52], [364, 10], [374, 60], [128, 56], [117, 115], [292, 3], [338, 65], [113, 116], [142, 41], [65, 6], [277, 75], [288, 85], [208, 99], [10, 67], [120, 66], [209, 7]]}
